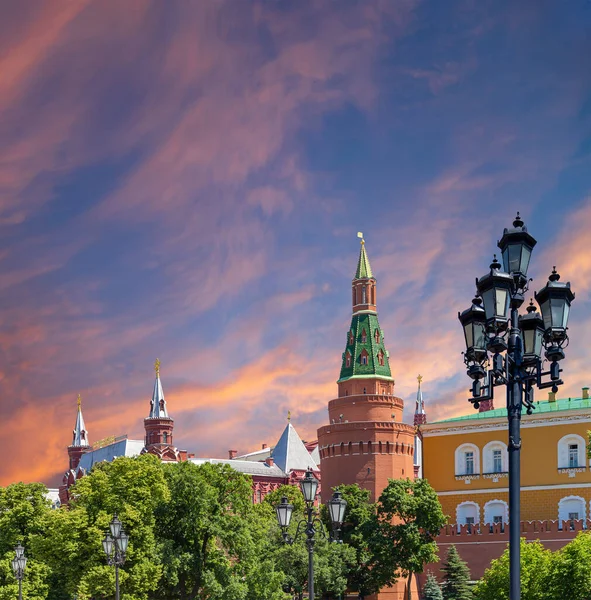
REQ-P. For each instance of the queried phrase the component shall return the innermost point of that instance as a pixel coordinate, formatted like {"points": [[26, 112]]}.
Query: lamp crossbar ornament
{"points": [[505, 348]]}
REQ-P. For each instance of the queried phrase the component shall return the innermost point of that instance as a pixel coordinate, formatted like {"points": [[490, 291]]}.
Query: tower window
{"points": [[377, 336], [364, 295], [381, 358], [165, 437], [363, 337], [351, 339], [347, 360]]}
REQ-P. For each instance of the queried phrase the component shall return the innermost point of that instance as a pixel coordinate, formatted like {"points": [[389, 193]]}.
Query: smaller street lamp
{"points": [[336, 509], [115, 546], [19, 562]]}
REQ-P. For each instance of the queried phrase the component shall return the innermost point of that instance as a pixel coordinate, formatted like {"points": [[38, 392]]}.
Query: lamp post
{"points": [[504, 348], [19, 562], [336, 508], [115, 547]]}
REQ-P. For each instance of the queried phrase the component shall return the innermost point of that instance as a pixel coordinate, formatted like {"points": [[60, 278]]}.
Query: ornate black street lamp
{"points": [[336, 509], [19, 562], [115, 547], [504, 348]]}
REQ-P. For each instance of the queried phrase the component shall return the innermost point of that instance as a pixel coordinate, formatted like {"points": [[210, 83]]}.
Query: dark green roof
{"points": [[363, 266], [544, 406], [367, 322]]}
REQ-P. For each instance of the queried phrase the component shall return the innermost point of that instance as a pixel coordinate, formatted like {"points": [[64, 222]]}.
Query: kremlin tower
{"points": [[366, 441], [158, 425], [78, 447]]}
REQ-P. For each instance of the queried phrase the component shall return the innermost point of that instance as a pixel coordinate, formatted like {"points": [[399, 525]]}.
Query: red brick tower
{"points": [[366, 441], [159, 425]]}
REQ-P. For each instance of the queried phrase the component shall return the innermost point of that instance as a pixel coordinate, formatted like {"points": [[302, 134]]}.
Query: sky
{"points": [[186, 180]]}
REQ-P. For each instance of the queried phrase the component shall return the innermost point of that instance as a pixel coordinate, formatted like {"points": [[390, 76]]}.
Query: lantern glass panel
{"points": [[488, 298], [309, 485], [469, 334], [512, 258], [14, 563], [337, 507], [502, 298], [122, 541], [284, 512], [115, 526], [545, 308], [529, 341], [539, 340], [22, 562], [557, 305], [19, 551], [108, 545], [525, 256]]}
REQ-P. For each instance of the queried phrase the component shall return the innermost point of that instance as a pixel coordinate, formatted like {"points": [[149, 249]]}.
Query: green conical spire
{"points": [[363, 266]]}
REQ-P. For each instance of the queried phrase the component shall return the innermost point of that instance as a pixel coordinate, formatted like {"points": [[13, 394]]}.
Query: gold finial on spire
{"points": [[420, 379], [79, 401], [157, 367], [360, 235], [288, 416]]}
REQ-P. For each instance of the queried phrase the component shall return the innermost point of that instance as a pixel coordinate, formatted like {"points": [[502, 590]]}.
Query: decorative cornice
{"points": [[433, 430]]}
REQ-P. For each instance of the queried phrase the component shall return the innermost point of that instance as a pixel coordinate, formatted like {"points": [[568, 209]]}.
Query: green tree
{"points": [[456, 580], [213, 541], [432, 591], [359, 527], [409, 519], [72, 544], [569, 575], [24, 512], [535, 563]]}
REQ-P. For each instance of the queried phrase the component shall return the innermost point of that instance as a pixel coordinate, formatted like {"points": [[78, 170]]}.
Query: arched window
{"points": [[467, 513], [351, 338], [571, 508], [377, 336], [364, 295], [165, 437], [363, 337], [496, 511], [571, 452], [495, 458], [347, 359], [467, 460]]}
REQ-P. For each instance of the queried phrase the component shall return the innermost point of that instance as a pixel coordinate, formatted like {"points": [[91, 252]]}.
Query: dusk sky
{"points": [[185, 179]]}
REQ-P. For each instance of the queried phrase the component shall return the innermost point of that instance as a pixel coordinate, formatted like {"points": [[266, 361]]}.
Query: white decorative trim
{"points": [[460, 460], [562, 449], [526, 488], [487, 456], [488, 518], [495, 476], [562, 510], [467, 503], [467, 478]]}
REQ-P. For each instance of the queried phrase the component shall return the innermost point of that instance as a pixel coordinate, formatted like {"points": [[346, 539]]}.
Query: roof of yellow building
{"points": [[545, 406]]}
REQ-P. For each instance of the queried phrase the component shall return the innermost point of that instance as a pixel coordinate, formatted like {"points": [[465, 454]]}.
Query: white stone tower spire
{"points": [[80, 437], [420, 415], [158, 403]]}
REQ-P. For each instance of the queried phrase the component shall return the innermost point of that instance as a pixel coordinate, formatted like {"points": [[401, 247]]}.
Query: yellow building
{"points": [[465, 459]]}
